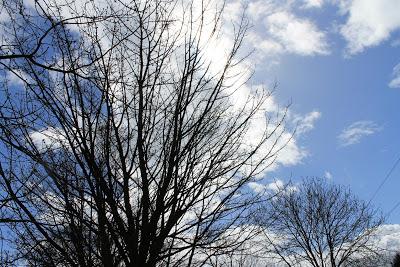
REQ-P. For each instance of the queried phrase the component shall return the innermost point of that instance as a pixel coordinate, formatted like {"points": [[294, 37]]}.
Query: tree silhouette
{"points": [[320, 224], [396, 260], [123, 143]]}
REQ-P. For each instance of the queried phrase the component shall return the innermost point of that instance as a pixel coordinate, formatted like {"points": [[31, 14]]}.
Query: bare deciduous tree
{"points": [[320, 224], [122, 142], [396, 260]]}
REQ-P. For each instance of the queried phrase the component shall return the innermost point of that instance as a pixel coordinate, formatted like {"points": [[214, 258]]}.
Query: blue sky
{"points": [[337, 59], [338, 63]]}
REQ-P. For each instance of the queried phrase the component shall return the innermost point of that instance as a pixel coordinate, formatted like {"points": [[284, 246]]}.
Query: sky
{"points": [[338, 64]]}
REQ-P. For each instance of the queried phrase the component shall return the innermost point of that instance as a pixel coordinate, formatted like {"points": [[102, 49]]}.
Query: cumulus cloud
{"points": [[291, 154], [280, 31], [388, 236], [273, 187], [297, 35], [233, 11], [256, 187], [258, 9], [265, 46], [313, 3], [278, 186], [17, 77], [356, 131], [395, 82], [47, 138], [282, 146], [369, 22], [289, 151]]}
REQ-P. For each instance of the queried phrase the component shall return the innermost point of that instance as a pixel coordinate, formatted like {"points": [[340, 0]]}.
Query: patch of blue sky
{"points": [[351, 87]]}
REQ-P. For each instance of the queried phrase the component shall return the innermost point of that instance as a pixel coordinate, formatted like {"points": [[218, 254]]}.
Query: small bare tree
{"points": [[319, 224], [123, 143], [396, 260]]}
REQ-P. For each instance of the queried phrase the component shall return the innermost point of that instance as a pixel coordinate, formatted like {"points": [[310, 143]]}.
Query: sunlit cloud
{"points": [[369, 22]]}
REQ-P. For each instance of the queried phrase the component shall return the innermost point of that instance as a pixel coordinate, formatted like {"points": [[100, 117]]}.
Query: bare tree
{"points": [[122, 142], [396, 260], [320, 224]]}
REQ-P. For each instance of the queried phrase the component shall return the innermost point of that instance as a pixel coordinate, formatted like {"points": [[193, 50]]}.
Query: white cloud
{"points": [[256, 187], [282, 143], [265, 46], [279, 30], [328, 175], [289, 152], [369, 22], [274, 187], [259, 9], [387, 237], [14, 77], [306, 123], [255, 251], [279, 186], [313, 3], [281, 147], [48, 138], [233, 11], [395, 82], [292, 154], [356, 131], [297, 35]]}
